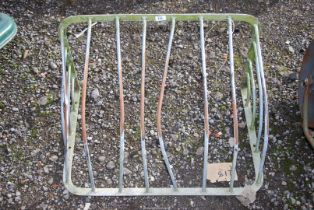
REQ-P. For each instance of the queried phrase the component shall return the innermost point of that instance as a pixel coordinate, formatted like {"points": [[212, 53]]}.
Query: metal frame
{"points": [[71, 91]]}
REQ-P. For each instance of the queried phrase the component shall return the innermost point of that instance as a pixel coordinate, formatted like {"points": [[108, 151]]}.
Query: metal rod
{"points": [[152, 17], [266, 116], [142, 124], [233, 167], [84, 83], [249, 90], [253, 93], [206, 125], [66, 108], [68, 99], [234, 105], [121, 105], [159, 106], [63, 128], [168, 165], [84, 89], [261, 99], [89, 165], [72, 90]]}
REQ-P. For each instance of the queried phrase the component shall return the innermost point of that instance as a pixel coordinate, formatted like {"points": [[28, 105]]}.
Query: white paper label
{"points": [[160, 18], [219, 172]]}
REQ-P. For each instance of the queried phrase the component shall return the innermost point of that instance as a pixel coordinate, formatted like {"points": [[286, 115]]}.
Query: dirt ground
{"points": [[31, 148]]}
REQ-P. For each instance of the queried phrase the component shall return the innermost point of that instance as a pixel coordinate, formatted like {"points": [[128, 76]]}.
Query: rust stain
{"points": [[308, 93], [235, 122], [84, 135], [306, 57]]}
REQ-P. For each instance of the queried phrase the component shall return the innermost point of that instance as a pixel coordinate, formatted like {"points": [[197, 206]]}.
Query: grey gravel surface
{"points": [[31, 149]]}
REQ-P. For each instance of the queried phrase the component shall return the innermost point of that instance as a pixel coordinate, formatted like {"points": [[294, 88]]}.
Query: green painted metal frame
{"points": [[248, 92]]}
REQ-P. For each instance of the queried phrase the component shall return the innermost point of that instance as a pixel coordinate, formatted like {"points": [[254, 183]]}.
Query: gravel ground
{"points": [[31, 150]]}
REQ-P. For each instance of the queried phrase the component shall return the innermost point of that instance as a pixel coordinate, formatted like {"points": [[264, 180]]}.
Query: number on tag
{"points": [[160, 18]]}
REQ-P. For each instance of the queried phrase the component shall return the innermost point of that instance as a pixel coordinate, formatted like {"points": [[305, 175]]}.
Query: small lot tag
{"points": [[160, 18], [219, 172]]}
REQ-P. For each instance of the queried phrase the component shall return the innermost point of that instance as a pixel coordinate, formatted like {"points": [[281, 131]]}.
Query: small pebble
{"points": [[101, 158], [110, 165], [53, 158], [200, 151], [52, 65], [95, 93]]}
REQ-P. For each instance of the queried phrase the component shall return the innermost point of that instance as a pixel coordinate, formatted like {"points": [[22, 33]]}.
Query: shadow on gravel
{"points": [[57, 7]]}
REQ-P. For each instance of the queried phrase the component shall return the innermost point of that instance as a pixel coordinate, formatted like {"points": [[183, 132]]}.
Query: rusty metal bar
{"points": [[84, 89], [308, 84], [65, 110], [121, 160], [234, 105], [142, 124], [159, 106], [206, 125]]}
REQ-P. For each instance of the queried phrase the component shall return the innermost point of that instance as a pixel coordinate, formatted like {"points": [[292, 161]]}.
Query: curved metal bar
{"points": [[253, 93], [261, 99], [63, 125], [65, 109], [151, 17], [159, 106], [121, 104], [84, 89], [68, 99], [234, 105], [142, 124], [307, 92], [266, 116], [206, 125]]}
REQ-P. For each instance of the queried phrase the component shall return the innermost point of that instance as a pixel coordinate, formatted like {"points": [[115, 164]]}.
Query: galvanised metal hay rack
{"points": [[74, 90]]}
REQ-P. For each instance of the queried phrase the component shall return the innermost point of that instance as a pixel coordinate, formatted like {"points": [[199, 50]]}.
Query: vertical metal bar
{"points": [[266, 117], [64, 133], [159, 106], [142, 125], [261, 99], [68, 99], [248, 81], [63, 125], [84, 89], [206, 125], [253, 93], [121, 105], [72, 89], [234, 105]]}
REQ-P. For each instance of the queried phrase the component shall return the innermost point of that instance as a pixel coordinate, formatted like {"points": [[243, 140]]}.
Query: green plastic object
{"points": [[7, 29]]}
